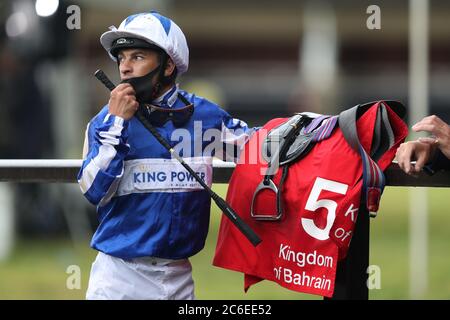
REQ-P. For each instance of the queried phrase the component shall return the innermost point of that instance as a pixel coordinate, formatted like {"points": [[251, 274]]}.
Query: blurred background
{"points": [[259, 60]]}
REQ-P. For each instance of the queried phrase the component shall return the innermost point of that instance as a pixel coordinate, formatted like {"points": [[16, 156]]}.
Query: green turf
{"points": [[37, 269]]}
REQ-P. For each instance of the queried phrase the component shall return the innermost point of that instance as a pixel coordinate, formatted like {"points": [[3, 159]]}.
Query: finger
{"points": [[435, 119], [125, 88], [425, 127], [408, 167], [427, 123], [404, 157], [420, 162], [429, 140], [135, 105], [431, 119], [121, 86], [129, 91], [130, 101]]}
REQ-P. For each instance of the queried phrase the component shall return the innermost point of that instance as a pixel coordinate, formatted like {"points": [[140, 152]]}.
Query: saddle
{"points": [[284, 145], [293, 139]]}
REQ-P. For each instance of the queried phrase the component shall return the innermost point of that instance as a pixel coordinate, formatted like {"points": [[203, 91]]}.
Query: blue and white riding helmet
{"points": [[153, 28]]}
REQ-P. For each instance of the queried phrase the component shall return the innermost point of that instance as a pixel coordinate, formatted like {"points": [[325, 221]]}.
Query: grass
{"points": [[37, 269], [390, 247]]}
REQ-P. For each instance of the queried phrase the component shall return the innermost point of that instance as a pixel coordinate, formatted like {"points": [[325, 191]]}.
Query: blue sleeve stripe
{"points": [[111, 191], [104, 162], [100, 163], [100, 187]]}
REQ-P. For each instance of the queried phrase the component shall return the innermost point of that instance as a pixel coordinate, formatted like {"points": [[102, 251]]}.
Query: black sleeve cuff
{"points": [[439, 162]]}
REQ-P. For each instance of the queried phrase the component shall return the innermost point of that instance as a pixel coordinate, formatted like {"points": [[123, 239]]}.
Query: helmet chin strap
{"points": [[162, 68]]}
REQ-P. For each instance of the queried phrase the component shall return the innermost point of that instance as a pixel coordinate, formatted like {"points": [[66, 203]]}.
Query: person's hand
{"points": [[414, 150], [122, 101], [440, 131]]}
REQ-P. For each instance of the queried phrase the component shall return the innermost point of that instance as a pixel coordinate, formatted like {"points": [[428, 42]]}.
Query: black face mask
{"points": [[145, 90]]}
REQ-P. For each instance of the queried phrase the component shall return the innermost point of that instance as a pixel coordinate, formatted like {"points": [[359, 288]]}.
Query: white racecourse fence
{"points": [[65, 171], [352, 272]]}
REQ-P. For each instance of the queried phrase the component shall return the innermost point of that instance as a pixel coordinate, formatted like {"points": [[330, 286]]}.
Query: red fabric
{"points": [[288, 254]]}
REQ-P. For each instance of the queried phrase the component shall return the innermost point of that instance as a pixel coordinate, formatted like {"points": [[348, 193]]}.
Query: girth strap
{"points": [[383, 139]]}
